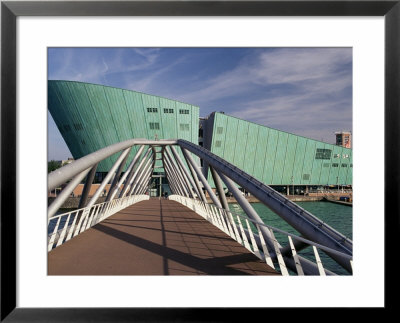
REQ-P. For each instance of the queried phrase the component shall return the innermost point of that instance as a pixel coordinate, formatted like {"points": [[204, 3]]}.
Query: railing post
{"points": [[177, 174], [245, 205], [139, 178], [107, 178], [201, 177], [132, 171], [88, 185], [117, 175], [219, 188], [196, 180], [191, 183], [138, 172]]}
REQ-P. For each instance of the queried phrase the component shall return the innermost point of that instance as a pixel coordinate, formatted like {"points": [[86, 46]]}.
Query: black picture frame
{"points": [[10, 10]]}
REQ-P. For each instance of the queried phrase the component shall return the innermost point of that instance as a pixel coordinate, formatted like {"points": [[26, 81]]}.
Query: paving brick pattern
{"points": [[154, 237]]}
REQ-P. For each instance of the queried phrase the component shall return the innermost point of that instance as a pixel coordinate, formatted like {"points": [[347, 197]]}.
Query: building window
{"points": [[154, 126], [323, 153], [220, 130], [78, 126], [351, 165], [83, 142], [183, 111], [184, 127], [336, 156], [218, 143], [168, 110], [335, 165], [344, 165], [326, 164], [306, 177], [152, 110]]}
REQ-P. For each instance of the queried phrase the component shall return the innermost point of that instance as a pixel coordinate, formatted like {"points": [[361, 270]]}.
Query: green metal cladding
{"points": [[91, 117], [277, 157]]}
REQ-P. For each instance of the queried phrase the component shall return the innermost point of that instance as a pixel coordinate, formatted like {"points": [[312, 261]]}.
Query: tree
{"points": [[52, 165]]}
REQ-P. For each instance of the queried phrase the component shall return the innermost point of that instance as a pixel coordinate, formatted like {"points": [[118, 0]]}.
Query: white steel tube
{"points": [[201, 177]]}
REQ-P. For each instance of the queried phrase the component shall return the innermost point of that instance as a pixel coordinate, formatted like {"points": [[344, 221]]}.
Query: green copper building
{"points": [[91, 117]]}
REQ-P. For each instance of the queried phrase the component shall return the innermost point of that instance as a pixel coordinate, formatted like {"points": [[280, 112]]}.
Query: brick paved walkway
{"points": [[154, 237]]}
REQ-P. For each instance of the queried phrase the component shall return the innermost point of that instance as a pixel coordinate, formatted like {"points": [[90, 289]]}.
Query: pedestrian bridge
{"points": [[132, 234]]}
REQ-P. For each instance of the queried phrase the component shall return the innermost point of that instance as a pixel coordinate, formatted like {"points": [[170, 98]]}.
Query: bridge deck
{"points": [[155, 237]]}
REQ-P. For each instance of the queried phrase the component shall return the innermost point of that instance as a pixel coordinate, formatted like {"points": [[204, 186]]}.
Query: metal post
{"points": [[247, 208], [116, 177], [128, 174], [86, 188], [107, 178], [219, 188], [172, 180], [129, 186], [139, 178], [202, 178], [177, 184], [196, 180], [177, 174], [191, 183]]}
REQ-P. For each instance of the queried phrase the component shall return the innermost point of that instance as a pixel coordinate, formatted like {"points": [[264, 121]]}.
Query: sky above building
{"points": [[304, 91]]}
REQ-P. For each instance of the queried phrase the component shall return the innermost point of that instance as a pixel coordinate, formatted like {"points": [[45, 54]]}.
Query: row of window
{"points": [[77, 126], [338, 156], [156, 126], [155, 110], [323, 153]]}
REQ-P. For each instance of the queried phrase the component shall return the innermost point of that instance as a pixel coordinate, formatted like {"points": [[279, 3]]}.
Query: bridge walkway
{"points": [[154, 237]]}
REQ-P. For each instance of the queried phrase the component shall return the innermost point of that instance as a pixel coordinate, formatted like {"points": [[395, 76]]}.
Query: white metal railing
{"points": [[65, 226], [246, 231]]}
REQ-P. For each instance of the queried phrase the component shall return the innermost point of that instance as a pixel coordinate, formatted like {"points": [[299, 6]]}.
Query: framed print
{"points": [[194, 23]]}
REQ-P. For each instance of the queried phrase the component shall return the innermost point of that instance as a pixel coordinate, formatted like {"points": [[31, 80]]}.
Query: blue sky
{"points": [[304, 91]]}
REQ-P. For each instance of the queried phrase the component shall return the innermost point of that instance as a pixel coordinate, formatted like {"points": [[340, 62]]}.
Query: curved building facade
{"points": [[91, 117], [276, 157]]}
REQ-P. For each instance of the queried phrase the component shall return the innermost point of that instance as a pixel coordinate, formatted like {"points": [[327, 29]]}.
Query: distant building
{"points": [[343, 139], [91, 117]]}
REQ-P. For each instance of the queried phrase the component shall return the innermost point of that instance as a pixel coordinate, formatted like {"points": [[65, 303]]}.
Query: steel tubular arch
{"points": [[62, 175]]}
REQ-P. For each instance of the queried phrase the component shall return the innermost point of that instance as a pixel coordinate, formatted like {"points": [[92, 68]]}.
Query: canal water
{"points": [[337, 216]]}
